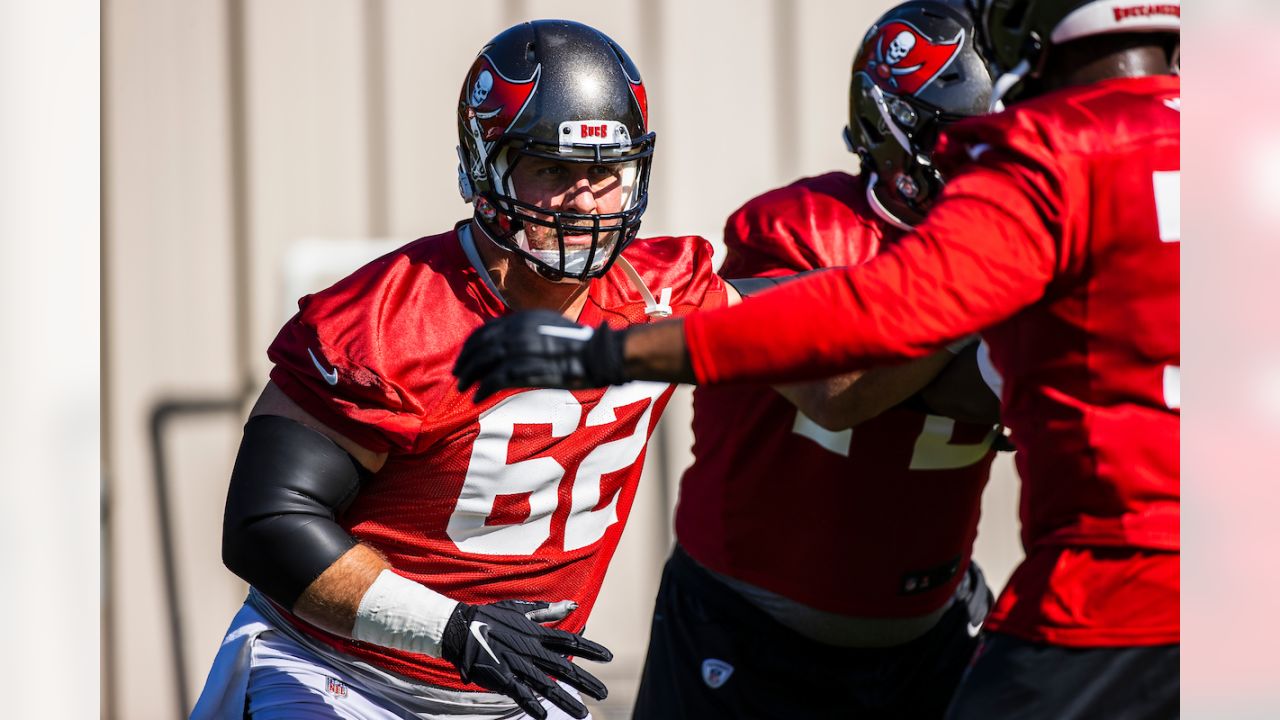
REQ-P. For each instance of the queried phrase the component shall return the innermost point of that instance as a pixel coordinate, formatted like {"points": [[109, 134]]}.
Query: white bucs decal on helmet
{"points": [[905, 60], [574, 133]]}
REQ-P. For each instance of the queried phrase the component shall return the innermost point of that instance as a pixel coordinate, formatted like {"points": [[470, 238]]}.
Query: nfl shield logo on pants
{"points": [[715, 672], [336, 688]]}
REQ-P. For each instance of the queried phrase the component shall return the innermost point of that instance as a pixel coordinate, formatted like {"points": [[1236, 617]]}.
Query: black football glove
{"points": [[539, 348], [501, 647]]}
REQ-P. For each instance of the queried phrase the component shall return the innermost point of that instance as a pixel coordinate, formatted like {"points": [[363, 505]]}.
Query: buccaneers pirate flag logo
{"points": [[492, 104], [904, 60]]}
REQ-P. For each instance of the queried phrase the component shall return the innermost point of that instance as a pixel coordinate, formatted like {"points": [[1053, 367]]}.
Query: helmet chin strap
{"points": [[571, 258], [659, 307], [563, 280], [874, 201], [1006, 82], [519, 238], [469, 249], [654, 308]]}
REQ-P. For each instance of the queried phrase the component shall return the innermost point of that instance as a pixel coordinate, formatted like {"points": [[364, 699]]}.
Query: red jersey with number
{"points": [[1058, 236], [521, 496], [877, 521]]}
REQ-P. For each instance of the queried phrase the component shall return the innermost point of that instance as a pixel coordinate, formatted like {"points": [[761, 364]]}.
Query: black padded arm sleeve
{"points": [[748, 287], [289, 484]]}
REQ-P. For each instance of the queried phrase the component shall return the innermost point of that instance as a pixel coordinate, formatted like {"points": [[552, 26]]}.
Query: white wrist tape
{"points": [[397, 612]]}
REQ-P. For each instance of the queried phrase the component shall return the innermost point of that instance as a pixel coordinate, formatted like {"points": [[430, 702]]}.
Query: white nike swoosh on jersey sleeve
{"points": [[330, 376]]}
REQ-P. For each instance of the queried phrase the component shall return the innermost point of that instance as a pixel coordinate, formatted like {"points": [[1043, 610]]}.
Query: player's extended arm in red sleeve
{"points": [[989, 249], [971, 265]]}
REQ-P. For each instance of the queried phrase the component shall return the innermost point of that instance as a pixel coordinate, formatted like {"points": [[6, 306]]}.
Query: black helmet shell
{"points": [[916, 71], [1015, 35], [561, 90]]}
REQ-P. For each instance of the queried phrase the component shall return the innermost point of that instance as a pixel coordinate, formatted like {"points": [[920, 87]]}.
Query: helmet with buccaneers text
{"points": [[916, 71], [1015, 35], [554, 90]]}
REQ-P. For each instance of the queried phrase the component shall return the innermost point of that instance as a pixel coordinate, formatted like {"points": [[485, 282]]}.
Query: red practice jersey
{"points": [[521, 496], [878, 521], [1058, 237]]}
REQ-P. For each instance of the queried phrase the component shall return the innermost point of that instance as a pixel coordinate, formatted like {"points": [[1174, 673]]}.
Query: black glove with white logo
{"points": [[539, 348], [503, 648]]}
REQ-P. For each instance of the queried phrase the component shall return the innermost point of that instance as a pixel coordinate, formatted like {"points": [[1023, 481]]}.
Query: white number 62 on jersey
{"points": [[490, 475]]}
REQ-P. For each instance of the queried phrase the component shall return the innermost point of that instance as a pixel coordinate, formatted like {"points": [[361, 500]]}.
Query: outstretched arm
{"points": [[972, 265]]}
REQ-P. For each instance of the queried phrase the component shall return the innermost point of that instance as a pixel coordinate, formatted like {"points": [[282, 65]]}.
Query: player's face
{"points": [[580, 188]]}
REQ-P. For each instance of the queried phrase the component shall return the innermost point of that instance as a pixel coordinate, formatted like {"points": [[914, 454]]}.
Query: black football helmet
{"points": [[1015, 35], [561, 91], [917, 71]]}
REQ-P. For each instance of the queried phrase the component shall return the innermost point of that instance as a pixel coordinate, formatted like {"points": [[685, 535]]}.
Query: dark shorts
{"points": [[712, 654], [1013, 679]]}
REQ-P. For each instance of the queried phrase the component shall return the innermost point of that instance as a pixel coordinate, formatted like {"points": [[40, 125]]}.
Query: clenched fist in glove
{"points": [[539, 348]]}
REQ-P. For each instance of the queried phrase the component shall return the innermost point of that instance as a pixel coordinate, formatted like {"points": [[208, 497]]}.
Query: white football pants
{"points": [[263, 674]]}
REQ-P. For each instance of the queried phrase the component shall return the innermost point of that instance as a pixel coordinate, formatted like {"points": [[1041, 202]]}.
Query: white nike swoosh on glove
{"points": [[578, 333], [475, 630]]}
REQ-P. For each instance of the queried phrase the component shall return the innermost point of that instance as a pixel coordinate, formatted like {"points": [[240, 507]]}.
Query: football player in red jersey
{"points": [[875, 578], [411, 552], [1057, 237]]}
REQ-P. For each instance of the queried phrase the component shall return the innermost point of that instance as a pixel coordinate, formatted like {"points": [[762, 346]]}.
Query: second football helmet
{"points": [[560, 91], [916, 71], [1015, 35]]}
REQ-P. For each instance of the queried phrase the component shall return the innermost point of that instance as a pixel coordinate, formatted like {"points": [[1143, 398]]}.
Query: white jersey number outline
{"points": [[933, 449], [1168, 192], [489, 475]]}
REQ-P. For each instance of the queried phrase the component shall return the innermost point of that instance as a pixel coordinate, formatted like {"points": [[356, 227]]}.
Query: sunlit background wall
{"points": [[256, 151], [234, 132], [49, 344]]}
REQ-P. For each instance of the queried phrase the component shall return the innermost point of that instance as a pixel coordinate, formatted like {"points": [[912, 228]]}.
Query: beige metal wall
{"points": [[232, 130]]}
